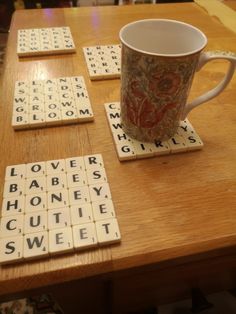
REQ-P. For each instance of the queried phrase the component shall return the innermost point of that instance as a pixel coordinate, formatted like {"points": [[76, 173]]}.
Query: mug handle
{"points": [[204, 58]]}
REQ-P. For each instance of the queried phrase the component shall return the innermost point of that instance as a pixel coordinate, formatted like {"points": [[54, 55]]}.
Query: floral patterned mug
{"points": [[159, 59]]}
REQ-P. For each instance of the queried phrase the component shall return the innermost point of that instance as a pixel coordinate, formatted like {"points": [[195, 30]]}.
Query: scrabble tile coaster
{"points": [[44, 41], [55, 207], [103, 62], [186, 139], [42, 103]]}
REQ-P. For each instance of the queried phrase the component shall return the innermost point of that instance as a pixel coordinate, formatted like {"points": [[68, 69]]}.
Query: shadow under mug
{"points": [[158, 62]]}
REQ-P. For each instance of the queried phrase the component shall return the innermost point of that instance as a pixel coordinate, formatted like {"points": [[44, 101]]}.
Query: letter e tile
{"points": [[103, 210], [84, 236], [60, 240]]}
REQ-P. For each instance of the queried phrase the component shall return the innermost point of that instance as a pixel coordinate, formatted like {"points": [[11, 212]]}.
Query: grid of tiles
{"points": [[56, 206], [43, 103], [44, 41], [103, 62], [186, 139]]}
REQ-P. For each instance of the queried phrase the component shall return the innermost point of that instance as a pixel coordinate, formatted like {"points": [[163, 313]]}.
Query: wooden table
{"points": [[177, 214]]}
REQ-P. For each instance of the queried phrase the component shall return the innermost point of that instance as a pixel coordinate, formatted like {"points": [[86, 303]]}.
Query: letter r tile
{"points": [[93, 161]]}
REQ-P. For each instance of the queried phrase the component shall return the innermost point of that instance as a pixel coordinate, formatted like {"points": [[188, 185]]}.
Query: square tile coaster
{"points": [[186, 139], [44, 41], [103, 62], [54, 207], [43, 103]]}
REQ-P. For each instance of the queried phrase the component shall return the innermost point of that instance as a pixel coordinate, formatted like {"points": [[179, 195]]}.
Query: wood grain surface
{"points": [[180, 206]]}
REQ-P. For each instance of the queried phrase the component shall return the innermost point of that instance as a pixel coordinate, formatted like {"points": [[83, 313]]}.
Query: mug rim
{"points": [[163, 54]]}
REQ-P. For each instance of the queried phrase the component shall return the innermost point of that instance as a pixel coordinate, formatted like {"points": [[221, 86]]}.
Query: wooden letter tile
{"points": [[59, 218], [35, 245], [108, 231], [35, 222], [35, 202], [11, 249], [84, 236], [60, 241], [13, 205], [11, 226], [81, 214], [103, 210], [99, 192]]}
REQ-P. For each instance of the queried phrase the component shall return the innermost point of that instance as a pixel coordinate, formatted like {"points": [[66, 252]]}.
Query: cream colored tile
{"points": [[35, 222], [14, 188], [20, 121], [56, 182], [75, 164], [37, 119], [177, 144], [35, 185], [193, 142], [143, 150], [81, 214], [11, 249], [76, 179], [96, 175], [13, 206], [125, 151], [79, 195], [103, 210], [35, 202], [122, 138], [36, 98], [92, 161], [59, 218], [35, 169], [11, 226], [108, 231], [36, 245], [99, 192], [190, 136], [57, 199], [69, 116], [84, 110], [84, 236], [36, 108], [161, 148], [53, 117], [60, 241]]}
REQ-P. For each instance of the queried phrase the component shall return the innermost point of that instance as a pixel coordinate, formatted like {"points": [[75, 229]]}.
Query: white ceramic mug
{"points": [[159, 59]]}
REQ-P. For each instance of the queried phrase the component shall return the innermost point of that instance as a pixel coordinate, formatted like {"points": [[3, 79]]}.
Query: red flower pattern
{"points": [[165, 84]]}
